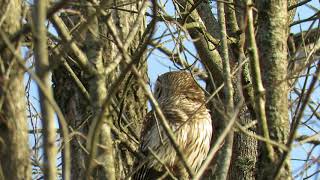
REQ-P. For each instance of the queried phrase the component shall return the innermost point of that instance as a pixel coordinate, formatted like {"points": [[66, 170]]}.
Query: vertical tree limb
{"points": [[256, 80], [42, 68], [223, 166], [98, 91], [272, 44], [14, 150]]}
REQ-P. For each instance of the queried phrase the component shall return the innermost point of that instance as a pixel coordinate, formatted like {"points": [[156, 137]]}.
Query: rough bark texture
{"points": [[73, 104], [14, 152], [272, 43], [244, 157], [77, 109], [97, 89]]}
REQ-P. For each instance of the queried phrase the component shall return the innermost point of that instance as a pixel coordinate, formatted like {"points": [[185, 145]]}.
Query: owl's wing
{"points": [[150, 138], [151, 135]]}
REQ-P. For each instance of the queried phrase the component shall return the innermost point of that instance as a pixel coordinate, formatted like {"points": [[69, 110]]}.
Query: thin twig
{"points": [[225, 159], [256, 80], [27, 27], [293, 133], [50, 99], [141, 82], [67, 41], [309, 139], [219, 141], [132, 33], [298, 4], [96, 125], [261, 138]]}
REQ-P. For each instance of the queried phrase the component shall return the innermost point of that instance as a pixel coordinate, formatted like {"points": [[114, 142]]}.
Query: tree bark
{"points": [[272, 44], [244, 156], [129, 100], [14, 152]]}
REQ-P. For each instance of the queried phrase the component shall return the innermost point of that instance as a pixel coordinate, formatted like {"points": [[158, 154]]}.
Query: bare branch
{"points": [[68, 42], [297, 121], [256, 79], [42, 68], [223, 166], [50, 99]]}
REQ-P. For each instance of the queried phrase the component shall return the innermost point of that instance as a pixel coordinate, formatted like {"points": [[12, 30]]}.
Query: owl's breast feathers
{"points": [[191, 124], [183, 104]]}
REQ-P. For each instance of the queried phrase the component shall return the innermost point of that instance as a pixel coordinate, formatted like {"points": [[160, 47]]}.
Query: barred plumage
{"points": [[182, 102]]}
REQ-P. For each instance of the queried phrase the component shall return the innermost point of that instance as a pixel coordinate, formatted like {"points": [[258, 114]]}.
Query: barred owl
{"points": [[182, 103]]}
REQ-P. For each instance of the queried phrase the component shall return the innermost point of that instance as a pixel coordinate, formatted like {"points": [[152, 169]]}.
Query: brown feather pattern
{"points": [[182, 102]]}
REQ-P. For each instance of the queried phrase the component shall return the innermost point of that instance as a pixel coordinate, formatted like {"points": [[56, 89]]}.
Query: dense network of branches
{"points": [[76, 78]]}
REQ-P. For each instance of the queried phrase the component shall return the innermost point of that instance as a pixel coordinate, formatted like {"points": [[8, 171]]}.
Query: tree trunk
{"points": [[14, 152], [129, 100], [272, 44], [244, 157]]}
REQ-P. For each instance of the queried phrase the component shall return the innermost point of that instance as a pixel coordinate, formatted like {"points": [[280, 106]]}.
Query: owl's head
{"points": [[178, 84]]}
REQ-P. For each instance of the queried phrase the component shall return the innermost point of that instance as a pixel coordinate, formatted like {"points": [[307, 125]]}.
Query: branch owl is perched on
{"points": [[182, 103]]}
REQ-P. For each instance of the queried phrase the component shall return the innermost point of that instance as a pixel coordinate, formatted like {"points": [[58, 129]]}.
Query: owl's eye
{"points": [[158, 92]]}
